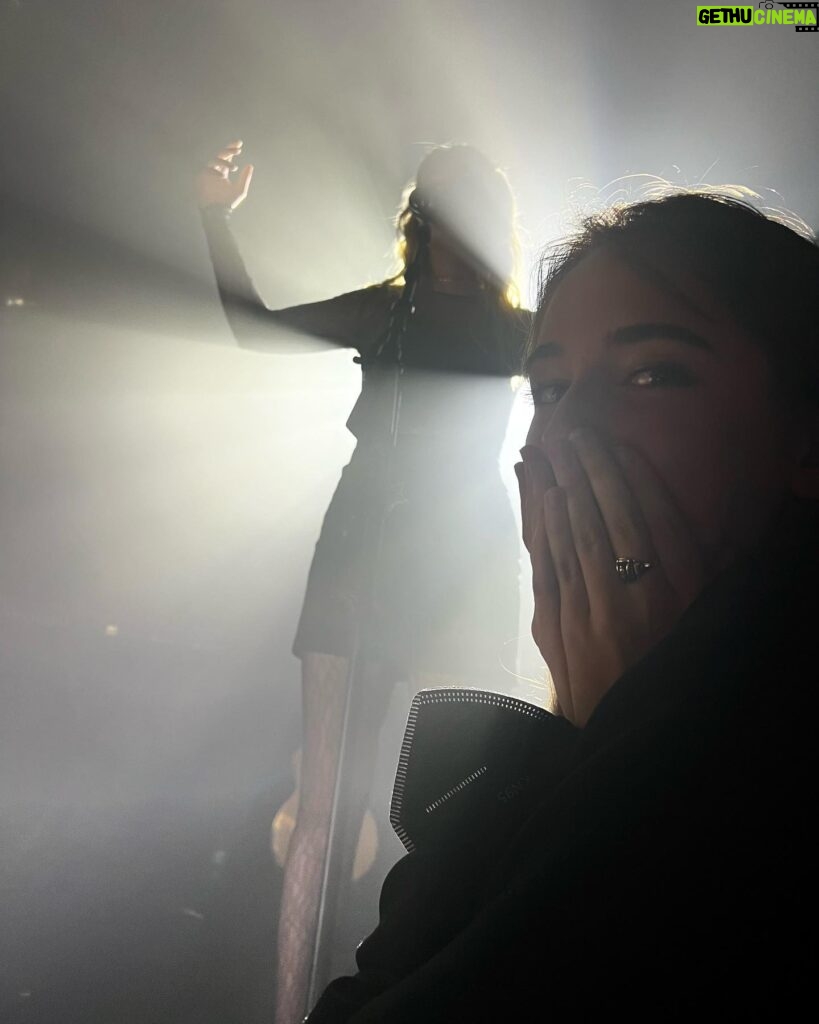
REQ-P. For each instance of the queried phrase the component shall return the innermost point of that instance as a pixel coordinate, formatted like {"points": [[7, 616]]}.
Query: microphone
{"points": [[420, 207]]}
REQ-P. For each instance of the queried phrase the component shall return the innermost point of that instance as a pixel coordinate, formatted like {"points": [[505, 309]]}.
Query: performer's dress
{"points": [[418, 552]]}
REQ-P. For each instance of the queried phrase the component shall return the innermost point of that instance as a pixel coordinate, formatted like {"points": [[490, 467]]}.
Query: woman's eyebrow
{"points": [[635, 333], [548, 350], [629, 335]]}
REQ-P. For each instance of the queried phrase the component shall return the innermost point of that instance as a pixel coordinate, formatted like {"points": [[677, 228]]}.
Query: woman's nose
{"points": [[583, 405]]}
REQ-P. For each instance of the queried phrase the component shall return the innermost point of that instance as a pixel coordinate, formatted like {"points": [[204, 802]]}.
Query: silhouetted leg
{"points": [[324, 693]]}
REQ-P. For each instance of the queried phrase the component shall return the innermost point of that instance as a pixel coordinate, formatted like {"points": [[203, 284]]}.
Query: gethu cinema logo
{"points": [[803, 16]]}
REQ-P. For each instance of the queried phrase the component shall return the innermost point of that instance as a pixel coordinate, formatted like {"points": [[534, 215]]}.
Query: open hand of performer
{"points": [[219, 184], [584, 509]]}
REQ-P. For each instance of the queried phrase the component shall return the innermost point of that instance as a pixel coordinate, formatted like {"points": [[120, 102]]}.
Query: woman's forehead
{"points": [[607, 291]]}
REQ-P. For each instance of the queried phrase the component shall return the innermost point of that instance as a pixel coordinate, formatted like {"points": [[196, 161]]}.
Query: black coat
{"points": [[655, 863]]}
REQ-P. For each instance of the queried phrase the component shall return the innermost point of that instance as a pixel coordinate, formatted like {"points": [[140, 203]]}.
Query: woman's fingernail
{"points": [[553, 498]]}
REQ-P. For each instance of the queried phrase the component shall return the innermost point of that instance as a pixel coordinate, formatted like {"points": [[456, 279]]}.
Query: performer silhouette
{"points": [[436, 592]]}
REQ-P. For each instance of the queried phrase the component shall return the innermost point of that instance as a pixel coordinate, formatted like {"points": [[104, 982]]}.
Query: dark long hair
{"points": [[482, 190], [762, 268]]}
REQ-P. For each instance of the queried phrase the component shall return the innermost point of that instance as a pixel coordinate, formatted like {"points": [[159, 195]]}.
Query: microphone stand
{"points": [[391, 347]]}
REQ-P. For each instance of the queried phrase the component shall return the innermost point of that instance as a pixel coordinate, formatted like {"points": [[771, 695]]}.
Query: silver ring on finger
{"points": [[629, 570]]}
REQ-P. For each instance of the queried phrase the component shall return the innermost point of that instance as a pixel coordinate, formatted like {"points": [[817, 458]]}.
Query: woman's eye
{"points": [[548, 393], [662, 375]]}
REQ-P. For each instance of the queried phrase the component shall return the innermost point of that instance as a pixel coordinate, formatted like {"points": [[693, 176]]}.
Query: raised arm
{"points": [[352, 320]]}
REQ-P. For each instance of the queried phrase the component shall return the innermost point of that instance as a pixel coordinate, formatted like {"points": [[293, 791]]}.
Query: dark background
{"points": [[161, 491]]}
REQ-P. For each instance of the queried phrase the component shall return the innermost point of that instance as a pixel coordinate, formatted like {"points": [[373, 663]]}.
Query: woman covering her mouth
{"points": [[643, 850]]}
